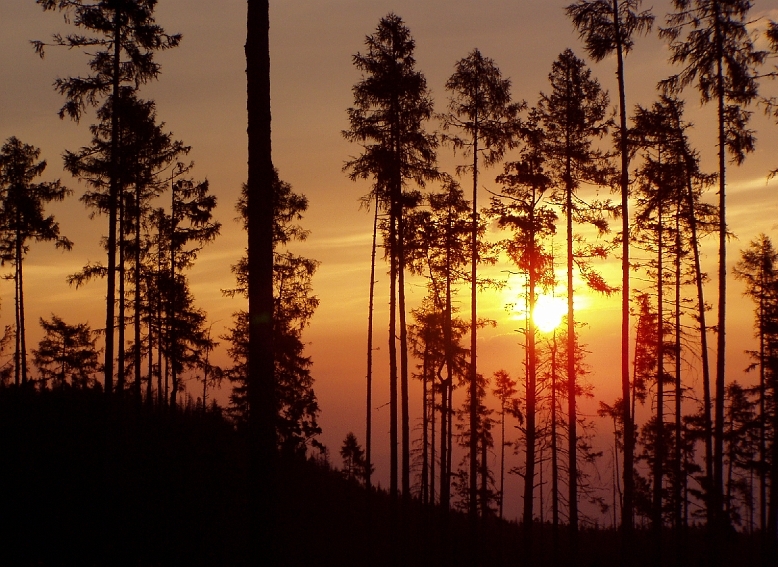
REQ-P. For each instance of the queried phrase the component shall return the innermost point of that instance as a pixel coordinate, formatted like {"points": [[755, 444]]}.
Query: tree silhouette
{"points": [[67, 354], [22, 219], [480, 107], [523, 207], [572, 116], [608, 26], [719, 58], [296, 410], [757, 269], [126, 37], [391, 105]]}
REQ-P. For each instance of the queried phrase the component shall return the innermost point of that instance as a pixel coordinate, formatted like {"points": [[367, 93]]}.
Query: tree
{"points": [[67, 354], [22, 219], [608, 26], [480, 107], [296, 409], [572, 116], [126, 36], [505, 391], [441, 236], [757, 269], [147, 156], [391, 105], [523, 207], [354, 463], [719, 57]]}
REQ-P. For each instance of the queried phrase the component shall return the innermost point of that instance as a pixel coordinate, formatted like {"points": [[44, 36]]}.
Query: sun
{"points": [[548, 312]]}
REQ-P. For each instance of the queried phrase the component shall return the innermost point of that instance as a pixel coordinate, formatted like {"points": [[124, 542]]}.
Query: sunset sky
{"points": [[201, 97]]}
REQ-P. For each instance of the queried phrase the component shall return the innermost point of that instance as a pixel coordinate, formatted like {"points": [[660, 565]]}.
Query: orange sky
{"points": [[201, 97]]}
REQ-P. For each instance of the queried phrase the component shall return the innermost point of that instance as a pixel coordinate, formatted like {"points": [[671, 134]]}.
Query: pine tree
{"points": [[608, 26], [296, 409], [67, 355], [757, 268], [719, 58], [573, 116], [480, 107], [391, 105], [523, 207], [126, 35], [23, 219]]}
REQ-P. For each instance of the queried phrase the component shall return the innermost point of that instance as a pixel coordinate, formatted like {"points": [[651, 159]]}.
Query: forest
{"points": [[162, 434]]}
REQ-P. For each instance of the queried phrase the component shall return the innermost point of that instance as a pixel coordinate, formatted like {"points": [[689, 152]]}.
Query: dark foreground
{"points": [[88, 483]]}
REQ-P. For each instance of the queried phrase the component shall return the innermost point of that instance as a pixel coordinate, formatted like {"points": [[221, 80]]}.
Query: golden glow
{"points": [[548, 312]]}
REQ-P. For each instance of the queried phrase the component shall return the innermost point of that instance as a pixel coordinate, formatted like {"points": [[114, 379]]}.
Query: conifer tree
{"points": [[22, 219], [391, 105], [573, 116], [710, 39], [67, 355], [523, 206], [126, 37], [757, 269], [608, 26], [480, 107], [296, 410]]}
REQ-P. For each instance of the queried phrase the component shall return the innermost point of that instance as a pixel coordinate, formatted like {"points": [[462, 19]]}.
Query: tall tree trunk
{"points": [[425, 427], [261, 203], [138, 303], [718, 453], [659, 449], [706, 398], [22, 329], [122, 303], [393, 485], [404, 410], [473, 504], [677, 457], [369, 402], [554, 458], [502, 455], [627, 416], [113, 196], [571, 371], [17, 322], [529, 471]]}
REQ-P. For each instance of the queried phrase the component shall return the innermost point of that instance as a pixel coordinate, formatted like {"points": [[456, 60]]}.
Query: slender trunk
{"points": [[369, 403], [659, 449], [529, 472], [502, 454], [432, 441], [677, 462], [718, 453], [445, 470], [474, 326], [17, 322], [22, 330], [113, 196], [706, 398], [172, 311], [484, 491], [122, 304], [404, 410], [571, 370], [627, 417], [138, 304], [393, 356], [425, 427], [762, 416], [554, 457], [261, 370]]}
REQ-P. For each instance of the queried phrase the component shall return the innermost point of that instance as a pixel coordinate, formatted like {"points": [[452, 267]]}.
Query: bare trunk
{"points": [[261, 371], [369, 403]]}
